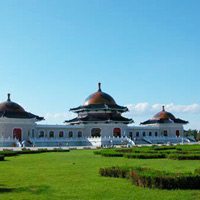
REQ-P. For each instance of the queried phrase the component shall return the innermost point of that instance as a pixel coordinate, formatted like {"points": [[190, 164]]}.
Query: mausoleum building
{"points": [[99, 121]]}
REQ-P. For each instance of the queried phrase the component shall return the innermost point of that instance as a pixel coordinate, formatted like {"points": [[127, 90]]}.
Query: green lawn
{"points": [[74, 175]]}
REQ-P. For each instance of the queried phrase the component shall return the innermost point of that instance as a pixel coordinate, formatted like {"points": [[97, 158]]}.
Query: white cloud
{"points": [[140, 109], [60, 115], [140, 112], [143, 109]]}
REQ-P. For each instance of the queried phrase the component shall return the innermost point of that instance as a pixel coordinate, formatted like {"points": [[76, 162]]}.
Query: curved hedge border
{"points": [[8, 153], [2, 158], [150, 178], [27, 151], [184, 156], [178, 152], [145, 155]]}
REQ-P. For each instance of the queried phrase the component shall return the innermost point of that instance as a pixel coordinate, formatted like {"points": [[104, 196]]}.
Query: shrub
{"points": [[58, 150], [86, 147], [154, 152], [111, 153], [8, 153], [145, 155], [164, 148], [163, 180], [97, 152], [73, 148], [184, 156], [28, 151], [117, 172], [150, 178], [2, 158], [125, 150], [197, 171]]}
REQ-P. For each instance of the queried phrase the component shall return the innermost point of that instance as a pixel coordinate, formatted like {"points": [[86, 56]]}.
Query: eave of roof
{"points": [[100, 119], [20, 115], [162, 121], [99, 107]]}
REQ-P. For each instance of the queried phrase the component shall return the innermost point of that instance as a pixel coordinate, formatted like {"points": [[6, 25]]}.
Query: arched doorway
{"points": [[96, 132], [117, 132], [177, 133], [17, 133]]}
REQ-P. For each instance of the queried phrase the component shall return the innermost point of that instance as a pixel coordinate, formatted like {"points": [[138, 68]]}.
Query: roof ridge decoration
{"points": [[8, 97], [99, 87]]}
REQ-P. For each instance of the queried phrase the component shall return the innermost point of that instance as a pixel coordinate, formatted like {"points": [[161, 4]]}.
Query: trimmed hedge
{"points": [[111, 153], [2, 158], [8, 153], [125, 150], [184, 156], [181, 152], [28, 151], [156, 148], [145, 155], [197, 171], [116, 172], [150, 178], [97, 152]]}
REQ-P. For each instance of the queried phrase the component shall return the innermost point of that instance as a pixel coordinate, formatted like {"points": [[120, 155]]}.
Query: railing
{"points": [[93, 141], [9, 139], [75, 138], [8, 142]]}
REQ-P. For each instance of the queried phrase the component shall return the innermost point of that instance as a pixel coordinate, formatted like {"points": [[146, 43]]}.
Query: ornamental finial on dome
{"points": [[163, 108], [8, 97], [99, 85]]}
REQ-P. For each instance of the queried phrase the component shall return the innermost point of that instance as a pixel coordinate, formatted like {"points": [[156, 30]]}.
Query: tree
{"points": [[195, 133]]}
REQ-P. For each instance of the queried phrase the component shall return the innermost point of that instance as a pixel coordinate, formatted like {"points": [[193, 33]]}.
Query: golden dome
{"points": [[99, 97], [163, 115], [10, 106]]}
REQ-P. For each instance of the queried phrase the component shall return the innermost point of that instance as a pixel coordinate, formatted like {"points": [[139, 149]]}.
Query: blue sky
{"points": [[145, 52]]}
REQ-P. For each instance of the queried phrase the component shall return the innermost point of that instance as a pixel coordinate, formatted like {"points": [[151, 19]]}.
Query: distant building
{"points": [[99, 122]]}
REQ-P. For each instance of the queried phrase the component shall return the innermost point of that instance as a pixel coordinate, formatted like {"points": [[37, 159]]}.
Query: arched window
{"points": [[70, 134], [177, 133], [165, 133], [51, 134], [41, 134], [117, 132], [96, 132], [131, 135], [137, 134], [17, 133], [79, 134], [61, 134], [156, 134], [150, 133], [143, 134]]}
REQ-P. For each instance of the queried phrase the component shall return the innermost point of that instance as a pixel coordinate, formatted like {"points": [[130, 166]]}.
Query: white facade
{"points": [[80, 135], [99, 122]]}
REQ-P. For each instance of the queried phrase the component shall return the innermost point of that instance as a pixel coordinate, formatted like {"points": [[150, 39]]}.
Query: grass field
{"points": [[75, 175]]}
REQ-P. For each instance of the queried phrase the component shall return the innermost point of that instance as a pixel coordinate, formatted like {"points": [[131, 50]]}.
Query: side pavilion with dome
{"points": [[99, 121]]}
